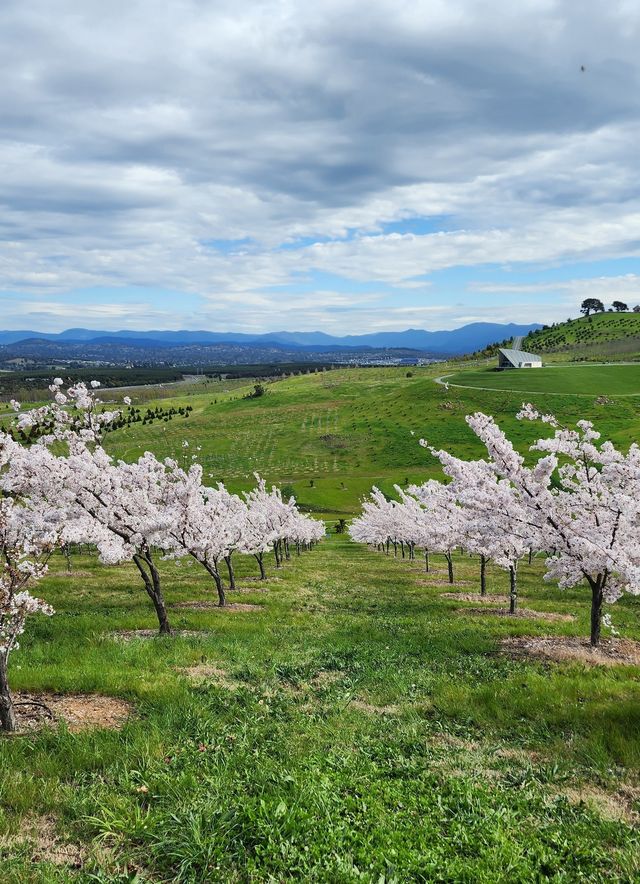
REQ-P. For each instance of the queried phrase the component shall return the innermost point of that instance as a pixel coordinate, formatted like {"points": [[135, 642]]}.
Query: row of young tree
{"points": [[578, 503], [66, 489]]}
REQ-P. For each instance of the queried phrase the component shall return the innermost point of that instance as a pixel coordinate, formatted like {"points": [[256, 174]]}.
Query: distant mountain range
{"points": [[452, 342]]}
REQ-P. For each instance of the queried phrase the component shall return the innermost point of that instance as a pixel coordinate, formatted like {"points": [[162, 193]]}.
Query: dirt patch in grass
{"points": [[214, 606], [267, 580], [202, 673], [610, 652], [475, 597], [425, 582], [528, 755], [520, 614], [363, 706], [246, 590], [79, 711], [39, 832], [324, 679], [129, 635], [619, 805], [446, 739]]}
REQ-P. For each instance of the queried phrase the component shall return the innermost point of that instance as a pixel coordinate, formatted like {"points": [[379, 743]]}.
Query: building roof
{"points": [[515, 357]]}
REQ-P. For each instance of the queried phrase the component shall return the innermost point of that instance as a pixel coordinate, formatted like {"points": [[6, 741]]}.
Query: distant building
{"points": [[518, 359]]}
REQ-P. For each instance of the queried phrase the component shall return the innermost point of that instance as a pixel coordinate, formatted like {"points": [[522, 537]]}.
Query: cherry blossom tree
{"points": [[443, 524], [274, 523], [116, 503], [132, 510], [588, 519], [205, 523], [493, 523], [27, 539]]}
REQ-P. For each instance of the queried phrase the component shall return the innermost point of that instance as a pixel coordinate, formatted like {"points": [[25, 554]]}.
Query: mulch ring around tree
{"points": [[79, 711], [521, 614], [476, 597], [610, 652], [231, 607]]}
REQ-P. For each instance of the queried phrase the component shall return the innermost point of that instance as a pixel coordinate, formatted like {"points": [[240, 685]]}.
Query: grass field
{"points": [[583, 380], [330, 436], [356, 728]]}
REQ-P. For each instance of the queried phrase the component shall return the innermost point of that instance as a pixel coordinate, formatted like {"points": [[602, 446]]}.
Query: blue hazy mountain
{"points": [[450, 342]]}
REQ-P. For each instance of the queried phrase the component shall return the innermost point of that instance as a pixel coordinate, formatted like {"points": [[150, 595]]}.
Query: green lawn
{"points": [[358, 730], [582, 380]]}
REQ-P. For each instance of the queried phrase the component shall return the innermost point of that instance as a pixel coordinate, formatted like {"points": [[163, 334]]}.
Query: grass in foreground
{"points": [[362, 731]]}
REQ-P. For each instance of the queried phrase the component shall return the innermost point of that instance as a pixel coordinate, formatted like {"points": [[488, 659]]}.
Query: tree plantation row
{"points": [[579, 504], [64, 489]]}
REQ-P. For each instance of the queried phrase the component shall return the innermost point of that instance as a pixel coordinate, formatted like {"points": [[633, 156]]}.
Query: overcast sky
{"points": [[343, 165]]}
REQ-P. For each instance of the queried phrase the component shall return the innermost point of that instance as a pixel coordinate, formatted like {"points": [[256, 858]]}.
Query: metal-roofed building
{"points": [[518, 359]]}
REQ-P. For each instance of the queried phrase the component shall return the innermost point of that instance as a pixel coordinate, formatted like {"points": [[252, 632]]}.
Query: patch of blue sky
{"points": [[228, 246], [420, 226], [416, 225]]}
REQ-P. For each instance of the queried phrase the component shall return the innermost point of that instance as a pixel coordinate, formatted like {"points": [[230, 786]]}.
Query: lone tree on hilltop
{"points": [[620, 306], [591, 305]]}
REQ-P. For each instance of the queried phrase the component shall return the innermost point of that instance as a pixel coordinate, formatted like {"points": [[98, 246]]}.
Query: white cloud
{"points": [[135, 138]]}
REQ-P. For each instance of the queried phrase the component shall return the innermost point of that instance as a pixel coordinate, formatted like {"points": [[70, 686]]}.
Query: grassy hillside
{"points": [[332, 435], [606, 337]]}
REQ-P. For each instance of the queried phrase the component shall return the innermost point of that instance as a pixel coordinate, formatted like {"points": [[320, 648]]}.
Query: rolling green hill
{"points": [[330, 436], [602, 337]]}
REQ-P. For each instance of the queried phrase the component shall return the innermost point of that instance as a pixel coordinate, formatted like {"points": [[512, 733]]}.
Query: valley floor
{"points": [[345, 722]]}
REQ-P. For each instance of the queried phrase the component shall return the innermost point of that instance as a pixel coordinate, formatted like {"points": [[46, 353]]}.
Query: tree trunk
{"points": [[287, 553], [450, 566], [232, 576], [259, 559], [7, 712], [513, 589], [483, 575], [222, 599], [402, 547], [597, 600], [426, 560], [276, 554], [151, 577]]}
